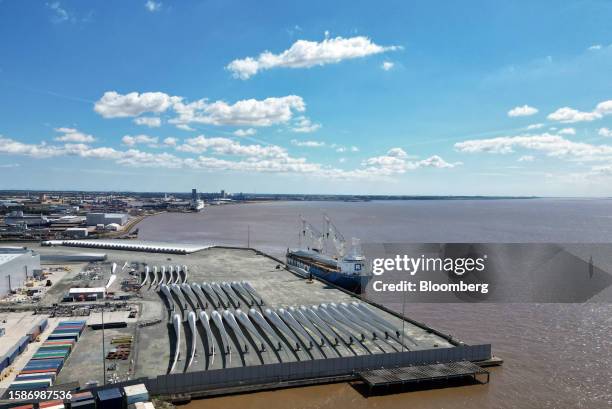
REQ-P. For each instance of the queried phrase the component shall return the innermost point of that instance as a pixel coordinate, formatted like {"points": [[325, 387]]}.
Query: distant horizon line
{"points": [[343, 195]]}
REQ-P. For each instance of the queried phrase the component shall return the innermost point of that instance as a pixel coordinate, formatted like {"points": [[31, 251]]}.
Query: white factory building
{"points": [[15, 264], [87, 294], [94, 219]]}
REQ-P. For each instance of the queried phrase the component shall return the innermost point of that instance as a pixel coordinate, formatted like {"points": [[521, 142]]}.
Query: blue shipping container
{"points": [[13, 353], [4, 363], [23, 343]]}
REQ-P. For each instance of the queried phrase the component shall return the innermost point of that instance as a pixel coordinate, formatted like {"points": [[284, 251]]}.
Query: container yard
{"points": [[194, 322]]}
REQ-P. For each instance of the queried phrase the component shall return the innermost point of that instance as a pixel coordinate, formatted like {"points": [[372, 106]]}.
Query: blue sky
{"points": [[307, 97]]}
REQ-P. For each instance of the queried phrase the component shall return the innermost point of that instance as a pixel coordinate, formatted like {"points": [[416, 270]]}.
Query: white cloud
{"points": [[595, 47], [185, 127], [247, 112], [569, 115], [535, 126], [59, 13], [305, 54], [245, 132], [567, 131], [387, 65], [170, 141], [526, 158], [73, 135], [397, 153], [308, 144], [140, 140], [603, 170], [150, 121], [225, 146], [9, 165], [605, 132], [524, 110], [41, 150], [251, 158], [551, 145], [396, 161], [354, 149], [604, 108], [305, 125], [153, 6], [115, 105]]}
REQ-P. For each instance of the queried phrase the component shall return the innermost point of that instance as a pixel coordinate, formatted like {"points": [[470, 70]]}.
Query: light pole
{"points": [[403, 317], [103, 352]]}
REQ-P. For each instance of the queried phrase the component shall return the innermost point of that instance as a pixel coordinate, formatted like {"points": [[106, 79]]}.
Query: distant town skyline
{"points": [[371, 98]]}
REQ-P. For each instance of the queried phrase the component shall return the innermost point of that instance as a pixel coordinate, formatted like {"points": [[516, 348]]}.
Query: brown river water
{"points": [[556, 355]]}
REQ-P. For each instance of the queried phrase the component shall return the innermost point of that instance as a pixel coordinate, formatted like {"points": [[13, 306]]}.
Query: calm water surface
{"points": [[556, 355]]}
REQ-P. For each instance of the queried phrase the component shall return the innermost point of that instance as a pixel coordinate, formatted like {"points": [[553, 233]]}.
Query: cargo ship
{"points": [[313, 258]]}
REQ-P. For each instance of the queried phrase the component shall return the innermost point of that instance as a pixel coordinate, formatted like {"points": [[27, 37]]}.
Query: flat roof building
{"points": [[94, 219], [85, 294], [15, 265]]}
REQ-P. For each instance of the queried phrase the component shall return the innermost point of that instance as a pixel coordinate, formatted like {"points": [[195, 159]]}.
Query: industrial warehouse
{"points": [[191, 321]]}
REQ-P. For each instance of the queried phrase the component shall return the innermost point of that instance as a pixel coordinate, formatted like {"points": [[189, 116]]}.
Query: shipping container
{"points": [[68, 336], [4, 363], [27, 387], [23, 343], [51, 373], [136, 393], [34, 384], [34, 371], [13, 353], [72, 323], [64, 330], [55, 350], [66, 347], [110, 399], [52, 342], [33, 332], [78, 396], [84, 404], [48, 361], [44, 364], [31, 381], [42, 375], [58, 344], [52, 404], [49, 355], [76, 326], [25, 377]]}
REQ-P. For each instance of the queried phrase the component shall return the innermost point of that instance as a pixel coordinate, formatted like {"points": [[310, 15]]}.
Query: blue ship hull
{"points": [[353, 283]]}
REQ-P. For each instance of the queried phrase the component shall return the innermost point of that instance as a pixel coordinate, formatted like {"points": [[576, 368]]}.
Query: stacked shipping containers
{"points": [[21, 345], [45, 364], [37, 329], [83, 400]]}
